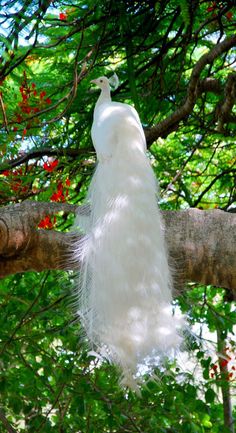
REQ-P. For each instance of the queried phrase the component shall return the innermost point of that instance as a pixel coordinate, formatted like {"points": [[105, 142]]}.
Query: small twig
{"points": [[6, 423], [22, 320], [179, 172], [72, 93], [223, 173], [52, 406], [4, 113]]}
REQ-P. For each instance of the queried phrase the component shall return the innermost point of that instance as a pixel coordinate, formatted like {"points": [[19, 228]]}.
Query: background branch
{"points": [[170, 124], [5, 422]]}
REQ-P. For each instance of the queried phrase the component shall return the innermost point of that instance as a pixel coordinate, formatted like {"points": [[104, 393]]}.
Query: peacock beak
{"points": [[93, 81]]}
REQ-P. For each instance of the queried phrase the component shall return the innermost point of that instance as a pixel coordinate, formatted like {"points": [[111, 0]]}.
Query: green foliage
{"points": [[48, 382], [49, 53], [184, 6]]}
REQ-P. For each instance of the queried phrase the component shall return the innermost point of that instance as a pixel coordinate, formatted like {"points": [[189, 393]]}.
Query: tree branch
{"points": [[44, 151], [168, 125], [225, 108], [210, 85], [229, 171], [225, 383], [5, 422], [201, 243]]}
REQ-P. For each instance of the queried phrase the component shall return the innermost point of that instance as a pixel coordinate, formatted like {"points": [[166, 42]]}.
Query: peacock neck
{"points": [[105, 96]]}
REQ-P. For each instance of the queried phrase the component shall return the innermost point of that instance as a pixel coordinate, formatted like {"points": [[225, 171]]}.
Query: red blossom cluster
{"points": [[47, 223], [214, 6], [50, 166], [227, 362], [60, 195], [62, 16], [62, 191], [30, 104], [15, 180]]}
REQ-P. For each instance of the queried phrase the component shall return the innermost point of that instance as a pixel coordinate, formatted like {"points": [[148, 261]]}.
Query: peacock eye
{"points": [[101, 81]]}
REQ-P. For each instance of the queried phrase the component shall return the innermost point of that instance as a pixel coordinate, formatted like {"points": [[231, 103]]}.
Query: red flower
{"points": [[229, 16], [17, 172], [16, 185], [19, 118], [60, 186], [35, 92], [48, 101], [230, 375], [212, 7], [26, 110], [67, 182], [33, 85], [224, 363], [214, 367], [24, 189], [58, 196], [15, 129], [54, 197], [6, 172], [46, 223], [42, 94], [51, 165], [62, 16]]}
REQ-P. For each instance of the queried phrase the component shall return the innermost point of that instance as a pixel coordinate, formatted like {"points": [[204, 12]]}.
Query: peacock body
{"points": [[125, 288]]}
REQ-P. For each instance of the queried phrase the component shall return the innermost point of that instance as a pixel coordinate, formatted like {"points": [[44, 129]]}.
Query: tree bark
{"points": [[225, 383], [201, 243]]}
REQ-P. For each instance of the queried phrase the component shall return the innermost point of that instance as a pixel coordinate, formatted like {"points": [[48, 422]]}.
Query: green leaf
{"points": [[210, 395]]}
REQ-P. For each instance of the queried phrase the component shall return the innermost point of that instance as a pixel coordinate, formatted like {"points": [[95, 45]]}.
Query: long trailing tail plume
{"points": [[125, 287]]}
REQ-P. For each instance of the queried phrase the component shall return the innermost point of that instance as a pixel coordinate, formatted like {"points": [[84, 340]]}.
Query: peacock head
{"points": [[102, 82], [105, 83]]}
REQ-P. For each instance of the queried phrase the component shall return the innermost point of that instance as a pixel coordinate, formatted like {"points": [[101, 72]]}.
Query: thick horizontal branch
{"points": [[170, 124], [201, 243], [45, 151], [209, 84]]}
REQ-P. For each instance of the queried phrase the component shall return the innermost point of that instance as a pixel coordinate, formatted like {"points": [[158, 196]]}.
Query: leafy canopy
{"points": [[50, 51]]}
